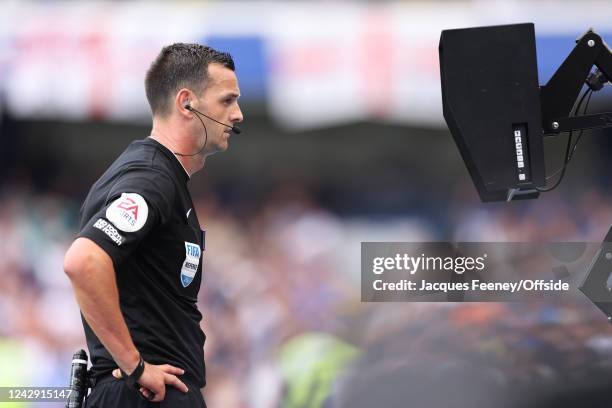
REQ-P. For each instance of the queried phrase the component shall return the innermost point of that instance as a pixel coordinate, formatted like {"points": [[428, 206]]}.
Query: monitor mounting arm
{"points": [[559, 95]]}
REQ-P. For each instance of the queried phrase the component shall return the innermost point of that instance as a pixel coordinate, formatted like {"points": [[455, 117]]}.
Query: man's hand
{"points": [[154, 379], [92, 274]]}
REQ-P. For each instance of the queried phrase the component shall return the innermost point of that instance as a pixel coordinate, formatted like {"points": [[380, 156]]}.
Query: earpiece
{"points": [[235, 129]]}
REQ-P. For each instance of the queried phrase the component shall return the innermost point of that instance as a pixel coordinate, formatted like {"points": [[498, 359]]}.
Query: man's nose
{"points": [[237, 116]]}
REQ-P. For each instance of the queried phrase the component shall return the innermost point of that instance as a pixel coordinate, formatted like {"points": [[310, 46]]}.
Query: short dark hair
{"points": [[177, 66]]}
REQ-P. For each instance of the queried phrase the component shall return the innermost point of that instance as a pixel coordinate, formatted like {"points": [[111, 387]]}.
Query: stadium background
{"points": [[343, 142]]}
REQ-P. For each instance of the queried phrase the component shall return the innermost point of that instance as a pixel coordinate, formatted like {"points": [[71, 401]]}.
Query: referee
{"points": [[136, 265]]}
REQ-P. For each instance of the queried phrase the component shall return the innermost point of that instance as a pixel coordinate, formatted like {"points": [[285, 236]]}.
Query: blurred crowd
{"points": [[282, 312]]}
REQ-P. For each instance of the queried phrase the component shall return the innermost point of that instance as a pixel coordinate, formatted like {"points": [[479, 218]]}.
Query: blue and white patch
{"points": [[191, 263]]}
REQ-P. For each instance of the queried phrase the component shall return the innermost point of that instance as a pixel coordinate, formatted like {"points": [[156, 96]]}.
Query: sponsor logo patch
{"points": [[191, 263], [109, 230], [128, 213]]}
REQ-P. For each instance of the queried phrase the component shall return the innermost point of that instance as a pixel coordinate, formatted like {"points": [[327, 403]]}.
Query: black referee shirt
{"points": [[141, 213]]}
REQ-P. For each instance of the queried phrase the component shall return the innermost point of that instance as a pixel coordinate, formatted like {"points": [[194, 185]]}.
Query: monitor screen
{"points": [[491, 103]]}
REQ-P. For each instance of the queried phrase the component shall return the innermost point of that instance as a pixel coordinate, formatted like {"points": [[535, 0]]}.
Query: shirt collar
{"points": [[178, 166], [184, 169]]}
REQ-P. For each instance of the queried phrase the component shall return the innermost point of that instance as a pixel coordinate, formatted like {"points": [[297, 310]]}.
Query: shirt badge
{"points": [[128, 213], [191, 263]]}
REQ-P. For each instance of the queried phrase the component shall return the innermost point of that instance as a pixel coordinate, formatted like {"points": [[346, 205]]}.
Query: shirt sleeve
{"points": [[137, 202]]}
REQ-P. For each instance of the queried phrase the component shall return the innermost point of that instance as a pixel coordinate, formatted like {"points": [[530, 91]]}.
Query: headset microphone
{"points": [[187, 106], [235, 129]]}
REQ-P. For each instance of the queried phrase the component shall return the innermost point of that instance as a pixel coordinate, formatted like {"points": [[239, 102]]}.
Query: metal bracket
{"points": [[559, 95], [595, 286]]}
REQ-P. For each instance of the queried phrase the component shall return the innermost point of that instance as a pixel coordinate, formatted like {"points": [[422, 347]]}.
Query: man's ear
{"points": [[182, 101]]}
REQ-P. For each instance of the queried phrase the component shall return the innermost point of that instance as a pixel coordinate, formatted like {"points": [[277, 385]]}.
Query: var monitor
{"points": [[498, 113], [491, 103]]}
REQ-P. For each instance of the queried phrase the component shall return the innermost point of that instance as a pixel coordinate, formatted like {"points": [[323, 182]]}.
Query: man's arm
{"points": [[92, 274]]}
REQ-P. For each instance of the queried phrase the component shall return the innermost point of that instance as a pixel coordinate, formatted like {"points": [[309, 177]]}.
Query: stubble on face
{"points": [[220, 94]]}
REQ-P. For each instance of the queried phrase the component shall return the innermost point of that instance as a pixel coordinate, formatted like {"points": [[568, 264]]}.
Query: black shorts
{"points": [[112, 393]]}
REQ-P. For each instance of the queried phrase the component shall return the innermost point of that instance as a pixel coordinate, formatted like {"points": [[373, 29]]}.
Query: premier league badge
{"points": [[191, 263]]}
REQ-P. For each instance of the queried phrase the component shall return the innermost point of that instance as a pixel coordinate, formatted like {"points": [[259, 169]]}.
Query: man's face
{"points": [[220, 101]]}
